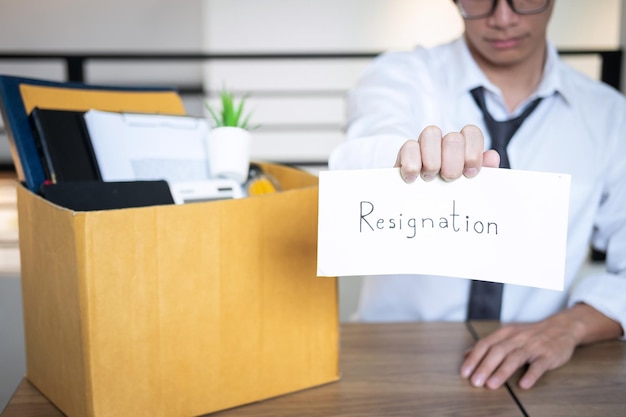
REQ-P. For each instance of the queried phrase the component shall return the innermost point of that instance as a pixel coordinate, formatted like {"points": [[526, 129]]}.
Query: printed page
{"points": [[149, 146]]}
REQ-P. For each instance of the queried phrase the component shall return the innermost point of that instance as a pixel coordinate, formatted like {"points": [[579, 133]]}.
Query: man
{"points": [[578, 127]]}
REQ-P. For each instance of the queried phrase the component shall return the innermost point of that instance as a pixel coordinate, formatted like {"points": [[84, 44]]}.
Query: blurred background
{"points": [[295, 58]]}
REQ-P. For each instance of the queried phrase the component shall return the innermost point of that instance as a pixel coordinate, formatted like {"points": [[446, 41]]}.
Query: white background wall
{"points": [[249, 26], [288, 25], [350, 25], [262, 26], [88, 25]]}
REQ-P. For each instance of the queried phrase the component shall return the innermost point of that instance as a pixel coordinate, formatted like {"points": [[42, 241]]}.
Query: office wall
{"points": [[90, 25], [113, 25], [349, 25], [300, 25], [262, 26], [145, 25]]}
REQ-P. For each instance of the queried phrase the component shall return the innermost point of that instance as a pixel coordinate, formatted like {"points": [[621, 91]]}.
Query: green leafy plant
{"points": [[232, 112]]}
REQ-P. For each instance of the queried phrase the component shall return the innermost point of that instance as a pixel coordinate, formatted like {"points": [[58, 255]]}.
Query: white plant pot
{"points": [[229, 153]]}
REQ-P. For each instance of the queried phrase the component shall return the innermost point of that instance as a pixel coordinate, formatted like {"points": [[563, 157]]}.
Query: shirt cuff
{"points": [[604, 292], [379, 151]]}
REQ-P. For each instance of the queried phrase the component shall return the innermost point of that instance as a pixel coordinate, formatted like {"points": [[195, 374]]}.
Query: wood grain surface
{"points": [[394, 370], [387, 370]]}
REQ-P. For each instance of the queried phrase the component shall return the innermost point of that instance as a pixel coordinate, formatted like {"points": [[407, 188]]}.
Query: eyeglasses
{"points": [[478, 9]]}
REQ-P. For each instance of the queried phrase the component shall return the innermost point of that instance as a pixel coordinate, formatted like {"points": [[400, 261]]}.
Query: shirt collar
{"points": [[552, 82], [468, 75]]}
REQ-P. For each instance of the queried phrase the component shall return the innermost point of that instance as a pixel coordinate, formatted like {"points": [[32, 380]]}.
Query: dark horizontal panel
{"points": [[164, 56], [301, 127], [296, 164], [611, 65], [200, 56]]}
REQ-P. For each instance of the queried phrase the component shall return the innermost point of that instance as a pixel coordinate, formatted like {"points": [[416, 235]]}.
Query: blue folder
{"points": [[26, 158]]}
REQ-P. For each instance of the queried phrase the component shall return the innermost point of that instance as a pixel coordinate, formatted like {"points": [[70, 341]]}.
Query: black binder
{"points": [[98, 195], [64, 145]]}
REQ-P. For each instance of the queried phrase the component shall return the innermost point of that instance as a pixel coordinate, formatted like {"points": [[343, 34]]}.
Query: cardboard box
{"points": [[177, 310]]}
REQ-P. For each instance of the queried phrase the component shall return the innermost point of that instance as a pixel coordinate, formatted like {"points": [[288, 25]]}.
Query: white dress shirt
{"points": [[579, 128]]}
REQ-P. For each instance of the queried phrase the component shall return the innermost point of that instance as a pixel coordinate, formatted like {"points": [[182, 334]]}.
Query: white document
{"points": [[504, 226], [149, 146]]}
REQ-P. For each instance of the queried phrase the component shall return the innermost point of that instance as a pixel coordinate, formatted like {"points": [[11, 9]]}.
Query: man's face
{"points": [[507, 38]]}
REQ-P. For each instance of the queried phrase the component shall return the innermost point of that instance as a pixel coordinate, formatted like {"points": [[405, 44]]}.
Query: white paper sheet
{"points": [[504, 226], [149, 146]]}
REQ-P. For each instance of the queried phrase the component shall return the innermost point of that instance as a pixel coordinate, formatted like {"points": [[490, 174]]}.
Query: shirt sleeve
{"points": [[606, 292], [383, 112]]}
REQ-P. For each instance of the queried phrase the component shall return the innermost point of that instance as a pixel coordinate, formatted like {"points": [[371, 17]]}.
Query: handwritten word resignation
{"points": [[453, 222]]}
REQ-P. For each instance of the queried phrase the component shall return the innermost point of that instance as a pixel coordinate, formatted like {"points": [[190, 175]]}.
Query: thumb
{"points": [[491, 159]]}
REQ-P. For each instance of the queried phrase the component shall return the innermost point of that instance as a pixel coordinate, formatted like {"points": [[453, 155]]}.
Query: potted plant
{"points": [[230, 139]]}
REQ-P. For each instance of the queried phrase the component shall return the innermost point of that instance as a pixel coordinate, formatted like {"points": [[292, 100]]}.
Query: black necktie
{"points": [[501, 132], [485, 297]]}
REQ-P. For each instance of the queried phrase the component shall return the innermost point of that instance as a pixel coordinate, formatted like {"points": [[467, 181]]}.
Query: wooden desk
{"points": [[387, 370], [412, 369], [394, 370], [592, 383]]}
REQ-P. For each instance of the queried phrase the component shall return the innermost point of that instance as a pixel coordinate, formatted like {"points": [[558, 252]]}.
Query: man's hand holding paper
{"points": [[503, 225]]}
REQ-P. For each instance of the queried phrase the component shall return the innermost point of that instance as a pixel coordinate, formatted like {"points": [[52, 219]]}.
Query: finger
{"points": [[475, 355], [409, 161], [536, 369], [491, 159], [512, 362], [473, 359], [452, 156], [474, 147], [430, 147], [490, 362]]}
